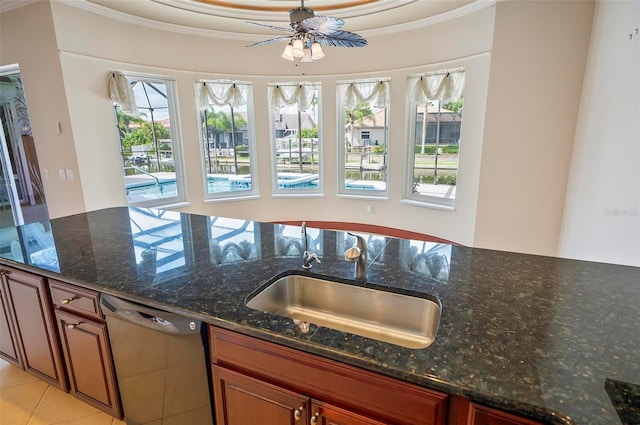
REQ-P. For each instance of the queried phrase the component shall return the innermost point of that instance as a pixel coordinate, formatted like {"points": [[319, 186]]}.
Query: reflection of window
{"points": [[36, 244], [159, 243], [232, 240], [426, 258], [375, 245], [290, 243], [227, 136], [150, 144], [295, 139], [362, 144], [434, 144]]}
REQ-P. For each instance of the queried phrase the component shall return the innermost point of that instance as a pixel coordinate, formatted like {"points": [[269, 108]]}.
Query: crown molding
{"points": [[431, 20], [232, 35]]}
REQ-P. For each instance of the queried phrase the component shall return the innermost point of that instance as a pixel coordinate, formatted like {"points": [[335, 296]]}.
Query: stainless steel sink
{"points": [[404, 320]]}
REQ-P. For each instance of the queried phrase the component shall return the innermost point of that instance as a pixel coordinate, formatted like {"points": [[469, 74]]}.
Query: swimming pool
{"points": [[229, 183], [150, 190]]}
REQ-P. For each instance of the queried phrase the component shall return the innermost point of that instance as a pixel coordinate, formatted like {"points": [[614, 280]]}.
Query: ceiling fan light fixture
{"points": [[316, 51], [287, 54], [307, 55], [296, 50], [307, 31]]}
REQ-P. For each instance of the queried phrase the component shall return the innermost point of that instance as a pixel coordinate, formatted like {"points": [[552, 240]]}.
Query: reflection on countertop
{"points": [[544, 337]]}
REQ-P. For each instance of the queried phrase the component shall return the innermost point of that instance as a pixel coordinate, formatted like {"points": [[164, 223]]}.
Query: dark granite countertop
{"points": [[551, 339]]}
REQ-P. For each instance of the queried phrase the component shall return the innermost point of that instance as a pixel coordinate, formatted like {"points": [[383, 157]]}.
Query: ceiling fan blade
{"points": [[341, 39], [321, 24], [272, 40], [271, 26]]}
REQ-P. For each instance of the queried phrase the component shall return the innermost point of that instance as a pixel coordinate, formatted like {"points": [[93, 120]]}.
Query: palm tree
{"points": [[227, 124], [357, 115]]}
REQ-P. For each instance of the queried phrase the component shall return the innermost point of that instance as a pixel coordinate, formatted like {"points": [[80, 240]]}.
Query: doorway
{"points": [[22, 197]]}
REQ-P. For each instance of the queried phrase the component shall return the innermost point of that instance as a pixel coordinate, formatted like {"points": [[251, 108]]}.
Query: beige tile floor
{"points": [[27, 400]]}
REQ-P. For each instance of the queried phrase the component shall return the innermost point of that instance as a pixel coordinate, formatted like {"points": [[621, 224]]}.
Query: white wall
{"points": [[601, 219], [27, 38], [187, 58], [537, 66]]}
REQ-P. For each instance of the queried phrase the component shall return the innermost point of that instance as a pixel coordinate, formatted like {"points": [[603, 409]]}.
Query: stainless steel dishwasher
{"points": [[160, 364]]}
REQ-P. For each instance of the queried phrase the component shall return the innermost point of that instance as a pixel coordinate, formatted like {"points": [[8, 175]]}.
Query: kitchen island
{"points": [[550, 339]]}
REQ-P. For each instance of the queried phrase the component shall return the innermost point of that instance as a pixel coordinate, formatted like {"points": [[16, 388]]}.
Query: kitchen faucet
{"points": [[307, 257], [358, 254]]}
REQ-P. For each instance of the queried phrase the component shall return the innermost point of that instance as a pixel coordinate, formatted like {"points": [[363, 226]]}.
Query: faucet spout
{"points": [[307, 257], [358, 254]]}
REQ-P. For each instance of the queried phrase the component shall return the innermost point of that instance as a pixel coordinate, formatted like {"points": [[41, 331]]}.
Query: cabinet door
{"points": [[480, 415], [8, 347], [27, 299], [240, 400], [463, 412], [89, 363], [327, 414]]}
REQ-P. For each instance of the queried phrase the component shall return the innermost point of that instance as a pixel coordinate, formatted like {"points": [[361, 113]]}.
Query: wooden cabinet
{"points": [[464, 412], [327, 414], [279, 382], [30, 322], [85, 345], [243, 400], [8, 346]]}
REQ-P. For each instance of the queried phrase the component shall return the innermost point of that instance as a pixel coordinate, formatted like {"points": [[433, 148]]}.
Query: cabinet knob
{"points": [[314, 418], [298, 413], [68, 300], [72, 325]]}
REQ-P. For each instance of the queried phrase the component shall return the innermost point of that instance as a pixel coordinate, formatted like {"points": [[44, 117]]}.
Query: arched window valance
{"points": [[447, 86], [121, 93], [281, 95], [221, 93], [377, 91]]}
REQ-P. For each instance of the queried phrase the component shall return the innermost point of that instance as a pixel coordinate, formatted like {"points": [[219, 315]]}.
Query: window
{"points": [[149, 140], [363, 135], [227, 138], [295, 138], [436, 103]]}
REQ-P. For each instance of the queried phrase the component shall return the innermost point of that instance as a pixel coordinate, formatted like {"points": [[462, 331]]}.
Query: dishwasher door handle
{"points": [[148, 317]]}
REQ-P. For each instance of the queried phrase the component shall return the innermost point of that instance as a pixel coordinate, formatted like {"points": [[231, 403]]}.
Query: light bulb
{"points": [[316, 51], [307, 55], [296, 51], [287, 53]]}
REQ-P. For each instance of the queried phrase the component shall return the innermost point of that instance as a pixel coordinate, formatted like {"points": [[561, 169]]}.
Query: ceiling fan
{"points": [[309, 32]]}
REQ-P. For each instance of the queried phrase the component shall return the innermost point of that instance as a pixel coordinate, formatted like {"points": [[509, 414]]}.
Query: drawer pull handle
{"points": [[72, 325], [314, 418], [68, 300], [298, 413]]}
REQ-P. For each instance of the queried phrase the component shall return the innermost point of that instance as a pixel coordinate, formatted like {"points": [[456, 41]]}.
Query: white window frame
{"points": [[310, 192], [341, 135], [253, 170], [176, 141], [411, 106]]}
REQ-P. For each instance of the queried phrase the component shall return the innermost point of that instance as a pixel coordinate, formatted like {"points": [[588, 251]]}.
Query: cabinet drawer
{"points": [[342, 385], [75, 299]]}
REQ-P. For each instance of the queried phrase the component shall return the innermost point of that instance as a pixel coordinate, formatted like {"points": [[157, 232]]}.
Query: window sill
{"points": [[231, 199], [428, 204], [381, 197], [297, 195]]}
